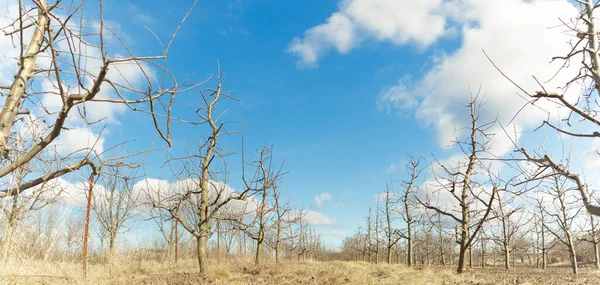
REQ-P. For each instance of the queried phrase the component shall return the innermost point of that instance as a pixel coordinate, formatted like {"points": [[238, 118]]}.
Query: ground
{"points": [[241, 272]]}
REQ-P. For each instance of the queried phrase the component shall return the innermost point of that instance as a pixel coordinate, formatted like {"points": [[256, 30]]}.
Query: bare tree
{"points": [[57, 44], [203, 198], [163, 220], [413, 170], [466, 192], [585, 52], [511, 219], [377, 237], [19, 206], [114, 207], [280, 222], [562, 213], [391, 235], [437, 223], [540, 230], [266, 180], [369, 236], [592, 231]]}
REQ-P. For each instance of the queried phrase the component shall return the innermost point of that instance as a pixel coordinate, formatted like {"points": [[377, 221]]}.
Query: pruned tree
{"points": [[377, 231], [165, 223], [265, 181], [391, 235], [561, 213], [303, 239], [407, 212], [436, 222], [280, 222], [510, 219], [202, 199], [114, 207], [540, 231], [369, 235], [470, 201], [592, 232]]}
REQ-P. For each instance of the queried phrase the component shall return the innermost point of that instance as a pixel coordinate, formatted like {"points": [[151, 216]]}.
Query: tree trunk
{"points": [[218, 241], [202, 257], [506, 257], [409, 241], [596, 254], [278, 237], [176, 240], [8, 241], [470, 256], [277, 244], [482, 253], [573, 256], [441, 237], [464, 247], [111, 245], [462, 259], [259, 248], [21, 79]]}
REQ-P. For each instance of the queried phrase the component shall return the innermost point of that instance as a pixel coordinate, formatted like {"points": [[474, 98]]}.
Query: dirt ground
{"points": [[321, 273]]}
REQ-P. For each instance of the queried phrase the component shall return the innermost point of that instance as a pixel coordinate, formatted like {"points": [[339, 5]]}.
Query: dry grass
{"points": [[242, 272]]}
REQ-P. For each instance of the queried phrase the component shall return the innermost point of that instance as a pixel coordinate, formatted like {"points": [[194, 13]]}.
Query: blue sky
{"points": [[345, 90], [325, 121], [368, 82]]}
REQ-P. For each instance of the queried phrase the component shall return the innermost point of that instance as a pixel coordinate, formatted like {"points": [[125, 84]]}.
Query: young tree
{"points": [[114, 207], [266, 180], [280, 223], [413, 169], [369, 236], [562, 213], [511, 219], [540, 231], [391, 235], [592, 231], [203, 198]]}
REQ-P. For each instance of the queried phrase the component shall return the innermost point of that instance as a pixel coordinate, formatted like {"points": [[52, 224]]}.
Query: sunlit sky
{"points": [[345, 90]]}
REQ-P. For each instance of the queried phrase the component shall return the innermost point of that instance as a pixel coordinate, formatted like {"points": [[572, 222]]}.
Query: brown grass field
{"points": [[242, 272]]}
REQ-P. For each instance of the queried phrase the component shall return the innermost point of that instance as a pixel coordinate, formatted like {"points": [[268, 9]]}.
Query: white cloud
{"points": [[321, 198], [163, 192], [395, 21], [79, 139], [79, 134], [398, 96], [591, 157], [318, 219], [140, 16], [521, 46]]}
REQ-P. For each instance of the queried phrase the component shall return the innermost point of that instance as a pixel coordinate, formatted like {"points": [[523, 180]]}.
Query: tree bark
{"points": [[25, 72], [202, 256], [506, 257]]}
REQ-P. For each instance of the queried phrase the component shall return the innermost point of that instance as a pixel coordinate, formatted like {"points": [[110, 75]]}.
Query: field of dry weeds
{"points": [[241, 272]]}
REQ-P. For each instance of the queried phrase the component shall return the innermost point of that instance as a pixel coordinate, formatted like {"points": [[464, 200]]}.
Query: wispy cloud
{"points": [[321, 198], [318, 219], [139, 16], [396, 21]]}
